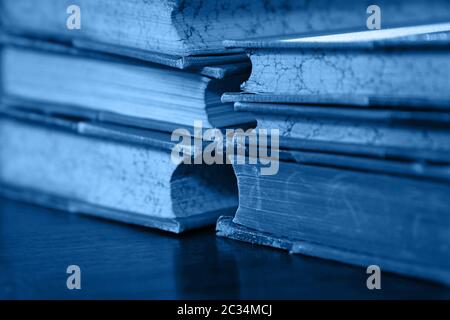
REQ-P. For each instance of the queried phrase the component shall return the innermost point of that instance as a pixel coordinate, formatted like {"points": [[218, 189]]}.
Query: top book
{"points": [[198, 27], [404, 67]]}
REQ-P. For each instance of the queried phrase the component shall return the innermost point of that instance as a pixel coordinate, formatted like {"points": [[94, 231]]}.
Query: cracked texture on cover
{"points": [[379, 74], [112, 175], [361, 133], [119, 176], [204, 24], [198, 27]]}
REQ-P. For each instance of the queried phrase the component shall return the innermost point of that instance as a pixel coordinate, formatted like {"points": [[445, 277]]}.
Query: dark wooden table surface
{"points": [[125, 262]]}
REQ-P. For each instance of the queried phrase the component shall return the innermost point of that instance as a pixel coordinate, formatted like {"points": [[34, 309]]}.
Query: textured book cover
{"points": [[359, 126], [385, 67], [198, 27], [109, 171], [138, 138]]}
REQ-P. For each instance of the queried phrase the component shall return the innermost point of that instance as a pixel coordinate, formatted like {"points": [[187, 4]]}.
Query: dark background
{"points": [[126, 262]]}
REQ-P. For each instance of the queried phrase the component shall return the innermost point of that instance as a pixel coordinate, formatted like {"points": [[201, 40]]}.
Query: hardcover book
{"points": [[368, 132], [385, 67], [348, 212], [179, 28], [109, 171], [120, 90], [362, 122]]}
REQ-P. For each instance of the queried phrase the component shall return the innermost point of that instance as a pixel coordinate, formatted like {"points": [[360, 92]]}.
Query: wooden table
{"points": [[125, 262]]}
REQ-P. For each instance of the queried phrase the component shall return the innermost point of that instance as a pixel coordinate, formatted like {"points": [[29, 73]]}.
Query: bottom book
{"points": [[109, 171], [395, 220]]}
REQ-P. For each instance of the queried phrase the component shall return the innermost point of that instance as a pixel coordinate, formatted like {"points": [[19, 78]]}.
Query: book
{"points": [[359, 124], [56, 79], [203, 63], [366, 68], [355, 215], [370, 132], [109, 171], [187, 28], [106, 110]]}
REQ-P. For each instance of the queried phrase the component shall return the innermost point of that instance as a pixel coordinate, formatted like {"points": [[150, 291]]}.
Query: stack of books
{"points": [[108, 107], [92, 95], [363, 122], [92, 91]]}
